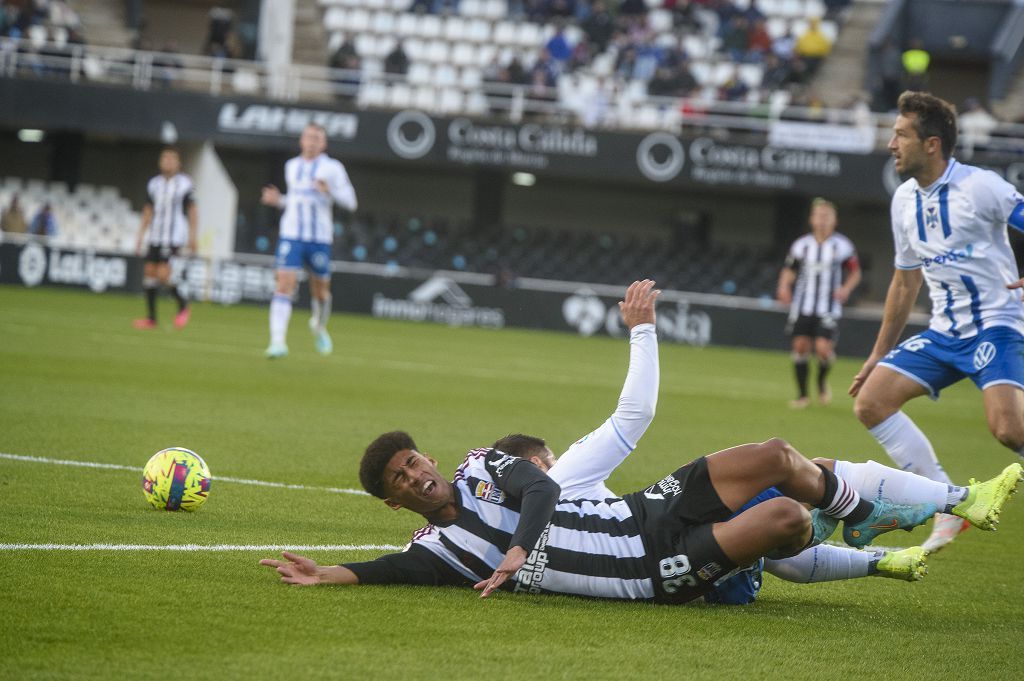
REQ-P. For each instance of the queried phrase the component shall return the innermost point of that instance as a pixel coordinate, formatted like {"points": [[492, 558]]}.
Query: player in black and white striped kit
{"points": [[502, 524], [171, 221], [820, 273]]}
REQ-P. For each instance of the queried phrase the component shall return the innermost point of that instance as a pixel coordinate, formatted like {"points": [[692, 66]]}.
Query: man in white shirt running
{"points": [[949, 225], [316, 182]]}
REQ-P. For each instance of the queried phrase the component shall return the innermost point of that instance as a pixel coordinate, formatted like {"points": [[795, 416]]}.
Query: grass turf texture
{"points": [[77, 382]]}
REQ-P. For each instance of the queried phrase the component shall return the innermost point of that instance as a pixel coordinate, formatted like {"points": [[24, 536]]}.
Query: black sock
{"points": [[800, 365], [151, 302], [823, 368], [182, 303], [838, 499]]}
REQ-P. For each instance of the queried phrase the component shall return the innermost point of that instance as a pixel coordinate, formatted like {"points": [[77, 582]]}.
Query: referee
{"points": [[169, 217], [820, 273]]}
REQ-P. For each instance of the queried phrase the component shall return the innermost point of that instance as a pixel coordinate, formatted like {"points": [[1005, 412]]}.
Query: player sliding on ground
{"points": [[501, 524]]}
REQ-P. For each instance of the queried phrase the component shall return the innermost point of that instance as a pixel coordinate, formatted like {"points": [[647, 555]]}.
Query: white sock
{"points": [[822, 563], [280, 313], [908, 447], [873, 480], [324, 313]]}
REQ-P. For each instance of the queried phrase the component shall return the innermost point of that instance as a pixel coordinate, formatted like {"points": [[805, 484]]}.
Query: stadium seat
{"points": [[479, 31], [334, 19], [425, 97], [383, 22], [463, 54], [429, 26], [420, 73], [454, 29]]}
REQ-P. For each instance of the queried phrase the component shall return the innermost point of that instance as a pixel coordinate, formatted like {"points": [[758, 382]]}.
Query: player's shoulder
{"points": [[905, 192], [802, 240], [186, 179], [975, 177], [333, 163], [842, 240], [485, 462]]}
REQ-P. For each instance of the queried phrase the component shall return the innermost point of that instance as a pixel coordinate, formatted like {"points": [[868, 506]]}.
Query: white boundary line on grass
{"points": [[216, 478], [199, 547]]}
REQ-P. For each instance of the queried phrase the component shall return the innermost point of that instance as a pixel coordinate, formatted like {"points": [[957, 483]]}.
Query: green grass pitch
{"points": [[77, 382]]}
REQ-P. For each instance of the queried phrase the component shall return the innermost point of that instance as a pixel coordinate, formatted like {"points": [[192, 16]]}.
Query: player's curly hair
{"points": [[524, 446], [376, 458], [935, 118]]}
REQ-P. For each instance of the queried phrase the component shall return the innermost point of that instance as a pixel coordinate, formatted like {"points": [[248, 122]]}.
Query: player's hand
{"points": [[322, 187], [841, 296], [514, 560], [637, 306], [298, 570], [784, 296], [138, 248], [1017, 284], [191, 249], [862, 376], [271, 196]]}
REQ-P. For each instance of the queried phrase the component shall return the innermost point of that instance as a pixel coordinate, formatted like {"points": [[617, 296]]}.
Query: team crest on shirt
{"points": [[489, 492]]}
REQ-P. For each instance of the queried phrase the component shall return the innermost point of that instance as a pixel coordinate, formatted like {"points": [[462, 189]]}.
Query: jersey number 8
{"points": [[674, 573]]}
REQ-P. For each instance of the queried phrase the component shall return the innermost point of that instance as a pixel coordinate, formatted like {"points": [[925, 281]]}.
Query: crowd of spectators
{"points": [[13, 221], [642, 53]]}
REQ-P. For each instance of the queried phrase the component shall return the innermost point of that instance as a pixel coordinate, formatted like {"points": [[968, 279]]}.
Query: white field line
{"points": [[216, 478], [199, 547]]}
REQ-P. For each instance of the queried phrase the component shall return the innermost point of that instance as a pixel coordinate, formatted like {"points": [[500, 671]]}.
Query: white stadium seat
{"points": [[383, 22]]}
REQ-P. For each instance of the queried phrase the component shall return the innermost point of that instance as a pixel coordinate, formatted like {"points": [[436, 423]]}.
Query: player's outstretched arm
{"points": [[784, 289], [272, 196], [147, 217], [302, 571], [899, 301]]}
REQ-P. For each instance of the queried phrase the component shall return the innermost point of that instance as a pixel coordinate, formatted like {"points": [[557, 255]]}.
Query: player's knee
{"points": [[868, 410], [780, 453], [1009, 433], [790, 520]]}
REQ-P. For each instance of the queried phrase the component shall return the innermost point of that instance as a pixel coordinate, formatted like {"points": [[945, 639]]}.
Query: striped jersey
{"points": [[308, 214], [170, 198], [590, 547], [955, 230], [819, 270]]}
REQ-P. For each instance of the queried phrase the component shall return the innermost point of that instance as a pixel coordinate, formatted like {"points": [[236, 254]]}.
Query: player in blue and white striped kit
{"points": [[949, 222], [316, 182]]}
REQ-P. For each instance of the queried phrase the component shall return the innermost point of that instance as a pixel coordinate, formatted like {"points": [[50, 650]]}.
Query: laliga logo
{"points": [[411, 134], [660, 156], [984, 355], [584, 311], [32, 264]]}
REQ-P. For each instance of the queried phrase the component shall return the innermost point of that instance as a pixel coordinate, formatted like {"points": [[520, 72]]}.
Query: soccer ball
{"points": [[176, 478]]}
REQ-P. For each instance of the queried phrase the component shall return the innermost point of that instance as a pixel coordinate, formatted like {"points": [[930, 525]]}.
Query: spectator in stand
{"points": [[777, 73], [44, 223], [633, 8], [599, 26], [515, 72], [582, 54], [784, 46], [597, 105], [890, 75], [915, 65], [976, 126], [683, 16], [759, 42], [648, 57], [558, 8], [62, 16], [813, 46], [736, 37], [733, 89], [672, 82], [834, 8], [397, 61], [345, 56], [220, 28], [558, 46], [167, 66], [545, 70], [625, 65], [13, 220]]}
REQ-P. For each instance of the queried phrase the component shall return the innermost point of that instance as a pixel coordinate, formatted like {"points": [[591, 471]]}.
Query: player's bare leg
{"points": [[281, 312], [740, 473], [150, 285], [878, 407], [320, 302], [824, 349], [801, 351], [1004, 411], [780, 526]]}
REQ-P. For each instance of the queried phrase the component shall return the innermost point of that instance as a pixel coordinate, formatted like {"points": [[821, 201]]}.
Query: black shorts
{"points": [[675, 516], [161, 254], [814, 326]]}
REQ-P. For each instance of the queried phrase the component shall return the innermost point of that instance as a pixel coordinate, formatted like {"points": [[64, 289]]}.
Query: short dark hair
{"points": [[376, 458], [523, 446], [934, 118]]}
